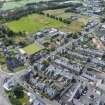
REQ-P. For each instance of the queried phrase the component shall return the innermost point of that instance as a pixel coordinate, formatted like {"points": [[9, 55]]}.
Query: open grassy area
{"points": [[36, 22], [2, 58], [33, 23], [76, 25], [19, 68], [32, 49]]}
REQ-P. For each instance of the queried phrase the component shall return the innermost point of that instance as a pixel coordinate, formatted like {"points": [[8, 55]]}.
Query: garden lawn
{"points": [[33, 23]]}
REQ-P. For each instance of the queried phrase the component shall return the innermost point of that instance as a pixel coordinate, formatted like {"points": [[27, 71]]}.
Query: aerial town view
{"points": [[52, 52]]}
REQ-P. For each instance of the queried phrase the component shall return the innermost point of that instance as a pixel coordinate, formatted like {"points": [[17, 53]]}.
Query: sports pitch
{"points": [[32, 49], [34, 23]]}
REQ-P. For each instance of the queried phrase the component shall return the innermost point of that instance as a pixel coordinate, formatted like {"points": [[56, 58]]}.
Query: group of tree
{"points": [[59, 18], [74, 10], [8, 35], [6, 32], [74, 35], [16, 94]]}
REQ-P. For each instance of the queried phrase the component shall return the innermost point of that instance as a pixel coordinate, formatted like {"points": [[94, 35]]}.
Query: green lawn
{"points": [[2, 57], [32, 49], [76, 25], [19, 68], [24, 100], [36, 22], [33, 23]]}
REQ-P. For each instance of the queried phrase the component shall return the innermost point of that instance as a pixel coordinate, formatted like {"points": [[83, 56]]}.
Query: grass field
{"points": [[32, 49], [33, 23], [61, 12], [75, 25], [36, 22]]}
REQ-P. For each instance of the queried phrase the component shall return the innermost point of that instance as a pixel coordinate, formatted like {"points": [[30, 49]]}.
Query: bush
{"points": [[14, 101]]}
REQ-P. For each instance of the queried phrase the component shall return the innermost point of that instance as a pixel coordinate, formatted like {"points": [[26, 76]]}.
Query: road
{"points": [[3, 98], [3, 75]]}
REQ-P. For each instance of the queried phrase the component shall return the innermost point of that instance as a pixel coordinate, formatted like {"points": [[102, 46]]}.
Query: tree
{"points": [[74, 36], [13, 100], [103, 57], [46, 63], [48, 15], [60, 19], [18, 91]]}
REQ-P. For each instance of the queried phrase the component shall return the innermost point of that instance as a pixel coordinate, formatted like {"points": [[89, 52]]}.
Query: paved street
{"points": [[3, 75], [3, 98]]}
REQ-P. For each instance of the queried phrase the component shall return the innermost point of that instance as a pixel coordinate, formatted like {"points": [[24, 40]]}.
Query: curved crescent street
{"points": [[3, 98]]}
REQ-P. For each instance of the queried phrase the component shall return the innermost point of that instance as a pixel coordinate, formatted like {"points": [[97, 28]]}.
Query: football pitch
{"points": [[33, 23]]}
